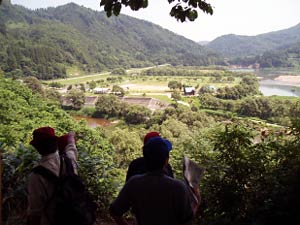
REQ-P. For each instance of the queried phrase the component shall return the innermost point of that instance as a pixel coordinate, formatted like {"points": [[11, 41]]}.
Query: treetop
{"points": [[182, 10]]}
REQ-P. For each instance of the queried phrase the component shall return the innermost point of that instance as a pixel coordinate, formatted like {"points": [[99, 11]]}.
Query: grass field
{"points": [[136, 84]]}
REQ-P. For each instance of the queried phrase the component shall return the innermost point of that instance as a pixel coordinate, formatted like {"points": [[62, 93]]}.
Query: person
{"points": [[39, 188], [70, 151], [154, 197], [138, 166]]}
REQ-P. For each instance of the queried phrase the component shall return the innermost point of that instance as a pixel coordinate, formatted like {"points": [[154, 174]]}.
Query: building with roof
{"points": [[189, 91]]}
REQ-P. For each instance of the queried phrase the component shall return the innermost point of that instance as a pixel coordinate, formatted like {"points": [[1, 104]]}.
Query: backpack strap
{"points": [[69, 169], [45, 173]]}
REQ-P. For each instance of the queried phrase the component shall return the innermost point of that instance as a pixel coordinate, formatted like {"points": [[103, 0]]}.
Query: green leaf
{"points": [[145, 3], [117, 8], [103, 2]]}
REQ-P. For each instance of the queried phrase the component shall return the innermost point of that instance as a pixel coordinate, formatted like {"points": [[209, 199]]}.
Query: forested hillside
{"points": [[46, 42], [242, 46], [284, 56]]}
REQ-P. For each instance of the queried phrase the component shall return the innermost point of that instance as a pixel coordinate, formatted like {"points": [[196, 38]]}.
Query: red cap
{"points": [[150, 135], [42, 133]]}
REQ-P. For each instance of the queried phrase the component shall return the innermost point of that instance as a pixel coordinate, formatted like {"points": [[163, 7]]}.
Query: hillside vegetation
{"points": [[284, 56], [249, 144], [248, 172], [45, 43], [274, 49], [238, 45]]}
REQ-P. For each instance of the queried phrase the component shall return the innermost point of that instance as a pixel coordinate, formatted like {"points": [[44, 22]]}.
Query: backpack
{"points": [[71, 203]]}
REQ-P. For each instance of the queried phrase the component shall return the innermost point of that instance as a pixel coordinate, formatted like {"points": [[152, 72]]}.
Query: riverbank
{"points": [[289, 80]]}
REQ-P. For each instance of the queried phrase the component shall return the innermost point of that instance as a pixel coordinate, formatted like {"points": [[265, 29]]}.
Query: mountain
{"points": [[203, 42], [46, 42], [287, 56], [244, 46]]}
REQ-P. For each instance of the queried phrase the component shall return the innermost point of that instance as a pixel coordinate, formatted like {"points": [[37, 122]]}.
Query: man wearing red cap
{"points": [[138, 166], [41, 189]]}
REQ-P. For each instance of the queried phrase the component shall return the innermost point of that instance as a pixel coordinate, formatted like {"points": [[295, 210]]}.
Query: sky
{"points": [[241, 17]]}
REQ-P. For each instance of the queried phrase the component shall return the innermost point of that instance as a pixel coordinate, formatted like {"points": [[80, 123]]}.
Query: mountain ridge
{"points": [[75, 36], [232, 45]]}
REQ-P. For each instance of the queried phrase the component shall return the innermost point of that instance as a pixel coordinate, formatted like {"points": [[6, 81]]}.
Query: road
{"points": [[86, 77]]}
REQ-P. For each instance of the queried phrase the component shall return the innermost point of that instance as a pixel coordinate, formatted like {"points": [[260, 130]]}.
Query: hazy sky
{"points": [[243, 17]]}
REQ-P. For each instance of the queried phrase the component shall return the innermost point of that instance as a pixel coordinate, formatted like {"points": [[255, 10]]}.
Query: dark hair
{"points": [[46, 146], [155, 156]]}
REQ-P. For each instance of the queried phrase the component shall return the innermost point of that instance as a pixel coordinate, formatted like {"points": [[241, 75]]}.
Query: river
{"points": [[269, 86], [94, 122], [272, 87]]}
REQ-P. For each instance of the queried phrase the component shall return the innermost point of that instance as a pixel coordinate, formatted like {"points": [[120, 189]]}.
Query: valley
{"points": [[112, 80]]}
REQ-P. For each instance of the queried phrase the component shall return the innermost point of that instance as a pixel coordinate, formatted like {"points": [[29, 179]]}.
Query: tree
{"points": [[82, 87], [176, 96], [109, 105], [206, 89], [77, 98], [294, 116], [53, 95], [137, 114], [92, 84], [2, 26], [127, 145], [173, 84], [119, 71], [118, 90], [183, 10], [34, 84]]}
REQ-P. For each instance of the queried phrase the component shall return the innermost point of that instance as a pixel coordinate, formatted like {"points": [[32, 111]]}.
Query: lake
{"points": [[94, 122]]}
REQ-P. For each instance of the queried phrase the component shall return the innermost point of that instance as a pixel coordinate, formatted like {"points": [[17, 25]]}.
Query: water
{"points": [[94, 122], [268, 86], [269, 89]]}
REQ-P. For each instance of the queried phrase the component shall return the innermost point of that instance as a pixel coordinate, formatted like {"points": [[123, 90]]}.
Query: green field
{"points": [[136, 84]]}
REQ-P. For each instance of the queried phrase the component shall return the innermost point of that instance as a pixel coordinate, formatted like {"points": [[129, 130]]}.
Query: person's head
{"points": [[44, 140], [150, 135], [156, 153]]}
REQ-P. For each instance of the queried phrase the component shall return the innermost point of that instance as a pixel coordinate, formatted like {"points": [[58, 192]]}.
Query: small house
{"points": [[101, 90], [189, 90]]}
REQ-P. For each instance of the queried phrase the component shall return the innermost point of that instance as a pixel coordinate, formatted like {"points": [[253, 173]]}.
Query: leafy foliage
{"points": [[112, 106], [181, 11], [248, 86], [76, 97], [22, 112]]}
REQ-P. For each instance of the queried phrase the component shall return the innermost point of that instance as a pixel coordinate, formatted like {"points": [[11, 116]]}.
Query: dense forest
{"points": [[284, 56], [274, 49], [46, 42], [237, 45]]}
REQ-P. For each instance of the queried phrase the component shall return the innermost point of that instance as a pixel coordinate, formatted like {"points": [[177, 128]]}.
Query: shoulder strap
{"points": [[69, 170], [45, 173]]}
